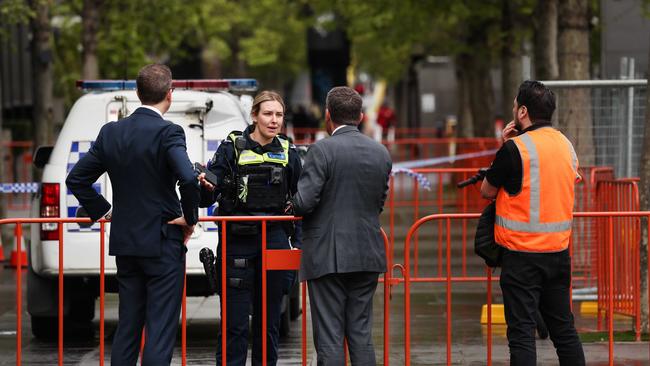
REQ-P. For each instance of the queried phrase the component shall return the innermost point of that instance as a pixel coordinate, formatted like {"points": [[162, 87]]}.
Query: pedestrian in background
{"points": [[341, 194], [532, 178], [145, 156]]}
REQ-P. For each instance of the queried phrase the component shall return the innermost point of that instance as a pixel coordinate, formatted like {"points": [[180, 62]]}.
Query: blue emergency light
{"points": [[235, 85]]}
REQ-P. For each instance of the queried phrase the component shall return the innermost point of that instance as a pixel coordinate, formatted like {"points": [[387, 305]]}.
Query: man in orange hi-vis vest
{"points": [[532, 178]]}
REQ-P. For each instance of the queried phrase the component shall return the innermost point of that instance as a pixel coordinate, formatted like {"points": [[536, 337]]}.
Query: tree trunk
{"points": [[210, 64], [465, 123], [644, 189], [42, 71], [481, 97], [89, 27], [546, 63], [3, 213], [574, 105], [511, 53]]}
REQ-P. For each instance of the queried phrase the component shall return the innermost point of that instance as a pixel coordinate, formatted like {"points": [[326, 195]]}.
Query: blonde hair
{"points": [[266, 96]]}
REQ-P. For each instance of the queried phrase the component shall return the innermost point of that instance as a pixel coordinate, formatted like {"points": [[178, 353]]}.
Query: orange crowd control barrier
{"points": [[615, 286], [288, 259], [611, 274]]}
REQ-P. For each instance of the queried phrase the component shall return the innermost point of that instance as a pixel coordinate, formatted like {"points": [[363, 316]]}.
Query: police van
{"points": [[206, 109]]}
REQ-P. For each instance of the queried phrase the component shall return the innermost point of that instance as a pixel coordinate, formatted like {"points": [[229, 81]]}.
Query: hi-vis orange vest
{"points": [[539, 217]]}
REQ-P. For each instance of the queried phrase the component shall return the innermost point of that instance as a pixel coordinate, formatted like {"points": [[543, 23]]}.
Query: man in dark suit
{"points": [[341, 193], [144, 156]]}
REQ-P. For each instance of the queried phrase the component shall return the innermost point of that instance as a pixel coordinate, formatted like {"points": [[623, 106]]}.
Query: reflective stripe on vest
{"points": [[533, 234], [249, 157]]}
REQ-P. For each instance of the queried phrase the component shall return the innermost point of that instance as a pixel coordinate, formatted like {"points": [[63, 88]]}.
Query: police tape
{"points": [[411, 164], [423, 181], [29, 187]]}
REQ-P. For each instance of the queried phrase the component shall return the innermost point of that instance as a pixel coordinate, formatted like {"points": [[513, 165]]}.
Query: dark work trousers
{"points": [[341, 306], [539, 280], [239, 299], [150, 293]]}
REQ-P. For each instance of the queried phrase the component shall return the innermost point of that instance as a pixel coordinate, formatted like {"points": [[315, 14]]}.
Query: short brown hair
{"points": [[153, 83], [344, 105], [266, 96]]}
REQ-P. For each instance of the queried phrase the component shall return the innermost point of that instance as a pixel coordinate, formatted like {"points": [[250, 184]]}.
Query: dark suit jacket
{"points": [[144, 156], [341, 193]]}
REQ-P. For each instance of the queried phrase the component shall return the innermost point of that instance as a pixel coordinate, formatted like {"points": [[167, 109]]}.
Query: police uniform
{"points": [[537, 171], [253, 180]]}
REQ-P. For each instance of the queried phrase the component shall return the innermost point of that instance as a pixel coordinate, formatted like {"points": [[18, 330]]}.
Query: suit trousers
{"points": [[341, 307], [532, 281], [150, 294]]}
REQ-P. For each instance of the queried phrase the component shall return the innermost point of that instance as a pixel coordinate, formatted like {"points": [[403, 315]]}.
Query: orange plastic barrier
{"points": [[622, 195]]}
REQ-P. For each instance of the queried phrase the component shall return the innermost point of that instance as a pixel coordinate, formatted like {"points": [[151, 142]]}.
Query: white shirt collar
{"points": [[153, 109], [338, 128]]}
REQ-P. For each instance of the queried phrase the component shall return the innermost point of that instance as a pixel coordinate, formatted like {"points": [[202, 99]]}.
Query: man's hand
{"points": [[204, 182], [187, 230], [509, 131], [288, 210]]}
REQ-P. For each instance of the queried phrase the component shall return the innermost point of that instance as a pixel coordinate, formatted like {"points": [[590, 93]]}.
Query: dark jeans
{"points": [[240, 300], [539, 280]]}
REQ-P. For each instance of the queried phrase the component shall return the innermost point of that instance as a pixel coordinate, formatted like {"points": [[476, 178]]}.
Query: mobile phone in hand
{"points": [[209, 176]]}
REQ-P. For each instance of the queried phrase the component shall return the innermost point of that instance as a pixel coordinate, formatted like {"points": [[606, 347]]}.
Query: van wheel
{"points": [[46, 328]]}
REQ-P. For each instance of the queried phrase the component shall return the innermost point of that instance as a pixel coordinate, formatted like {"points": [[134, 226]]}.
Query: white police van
{"points": [[206, 109]]}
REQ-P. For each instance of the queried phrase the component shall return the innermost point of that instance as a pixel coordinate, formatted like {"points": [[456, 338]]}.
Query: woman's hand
{"points": [[204, 182]]}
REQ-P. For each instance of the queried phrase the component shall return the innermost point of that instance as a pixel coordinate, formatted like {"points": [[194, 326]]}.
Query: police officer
{"points": [[532, 178], [257, 171]]}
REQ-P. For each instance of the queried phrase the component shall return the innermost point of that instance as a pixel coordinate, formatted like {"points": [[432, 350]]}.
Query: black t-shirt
{"points": [[506, 169]]}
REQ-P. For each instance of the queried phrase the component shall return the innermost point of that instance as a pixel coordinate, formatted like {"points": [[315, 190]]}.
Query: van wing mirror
{"points": [[42, 156]]}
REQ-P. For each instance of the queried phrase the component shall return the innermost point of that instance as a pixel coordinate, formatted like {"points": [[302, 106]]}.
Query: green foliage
{"points": [[385, 35], [13, 12], [267, 38]]}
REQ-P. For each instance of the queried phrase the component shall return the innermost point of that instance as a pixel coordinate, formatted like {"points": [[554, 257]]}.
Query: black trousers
{"points": [[539, 280], [341, 307], [246, 295]]}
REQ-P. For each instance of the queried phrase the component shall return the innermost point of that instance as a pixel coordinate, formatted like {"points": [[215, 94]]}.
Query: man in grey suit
{"points": [[341, 193]]}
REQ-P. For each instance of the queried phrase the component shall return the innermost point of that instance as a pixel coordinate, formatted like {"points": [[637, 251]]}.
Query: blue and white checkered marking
{"points": [[77, 150], [211, 147], [29, 187], [423, 181]]}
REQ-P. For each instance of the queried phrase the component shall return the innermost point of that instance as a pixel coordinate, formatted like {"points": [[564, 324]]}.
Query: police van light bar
{"points": [[236, 85]]}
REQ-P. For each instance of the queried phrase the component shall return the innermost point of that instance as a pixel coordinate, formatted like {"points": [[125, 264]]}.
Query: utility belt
{"points": [[241, 262], [244, 228]]}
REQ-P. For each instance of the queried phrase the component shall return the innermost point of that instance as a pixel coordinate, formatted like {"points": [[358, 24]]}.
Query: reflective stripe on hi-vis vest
{"points": [[249, 157], [539, 217]]}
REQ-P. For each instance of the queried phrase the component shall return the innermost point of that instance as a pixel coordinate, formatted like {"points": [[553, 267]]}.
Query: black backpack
{"points": [[484, 244]]}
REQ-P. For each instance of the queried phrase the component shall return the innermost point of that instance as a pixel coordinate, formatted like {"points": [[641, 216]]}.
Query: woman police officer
{"points": [[257, 171]]}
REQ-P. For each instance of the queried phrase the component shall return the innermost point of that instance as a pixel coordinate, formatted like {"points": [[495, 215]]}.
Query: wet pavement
{"points": [[428, 333]]}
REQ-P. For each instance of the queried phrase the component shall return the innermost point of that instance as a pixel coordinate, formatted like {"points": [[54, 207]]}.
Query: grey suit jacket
{"points": [[341, 193]]}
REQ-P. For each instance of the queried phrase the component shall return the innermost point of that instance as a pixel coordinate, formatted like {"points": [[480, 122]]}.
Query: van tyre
{"points": [[46, 328]]}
